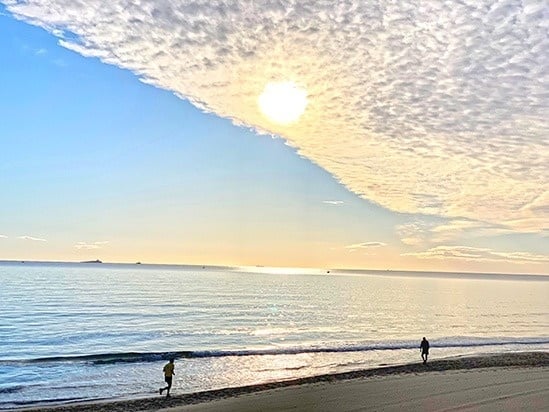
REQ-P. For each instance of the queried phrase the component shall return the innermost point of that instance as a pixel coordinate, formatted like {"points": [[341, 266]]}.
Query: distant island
{"points": [[92, 261]]}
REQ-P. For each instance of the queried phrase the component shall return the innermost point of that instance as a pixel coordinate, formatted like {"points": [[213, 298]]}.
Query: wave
{"points": [[141, 357], [40, 402], [12, 389]]}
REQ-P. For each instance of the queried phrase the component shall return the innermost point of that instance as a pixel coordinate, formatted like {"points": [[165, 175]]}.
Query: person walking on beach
{"points": [[424, 348], [168, 376]]}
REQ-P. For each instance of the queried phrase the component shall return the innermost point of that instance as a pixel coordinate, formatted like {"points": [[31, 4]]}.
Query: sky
{"points": [[376, 135]]}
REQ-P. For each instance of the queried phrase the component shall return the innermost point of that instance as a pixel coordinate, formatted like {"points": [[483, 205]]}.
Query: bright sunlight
{"points": [[283, 102]]}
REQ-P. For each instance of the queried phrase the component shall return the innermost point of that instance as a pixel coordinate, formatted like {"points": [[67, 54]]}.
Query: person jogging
{"points": [[168, 377]]}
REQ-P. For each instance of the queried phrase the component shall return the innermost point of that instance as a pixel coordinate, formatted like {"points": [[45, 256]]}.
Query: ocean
{"points": [[74, 332]]}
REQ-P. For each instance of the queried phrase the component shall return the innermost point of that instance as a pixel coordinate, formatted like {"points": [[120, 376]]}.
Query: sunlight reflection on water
{"points": [[293, 325]]}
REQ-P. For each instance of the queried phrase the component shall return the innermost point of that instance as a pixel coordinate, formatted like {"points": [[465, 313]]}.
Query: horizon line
{"points": [[205, 265]]}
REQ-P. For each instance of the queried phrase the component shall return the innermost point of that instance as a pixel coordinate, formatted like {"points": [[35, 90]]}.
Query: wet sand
{"points": [[508, 382]]}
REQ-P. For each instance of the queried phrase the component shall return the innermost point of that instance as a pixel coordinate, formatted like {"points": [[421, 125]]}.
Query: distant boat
{"points": [[92, 261], [137, 263]]}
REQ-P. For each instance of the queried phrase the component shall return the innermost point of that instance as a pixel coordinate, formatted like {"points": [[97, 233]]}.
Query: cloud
{"points": [[41, 52], [90, 246], [415, 233], [479, 254], [34, 239], [366, 245], [435, 108], [456, 228], [422, 233], [333, 202], [3, 237]]}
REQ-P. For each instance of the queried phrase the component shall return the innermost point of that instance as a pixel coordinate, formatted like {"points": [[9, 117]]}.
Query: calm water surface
{"points": [[74, 332]]}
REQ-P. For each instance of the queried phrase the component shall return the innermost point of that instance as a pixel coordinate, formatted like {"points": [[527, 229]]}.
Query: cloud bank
{"points": [[422, 233], [480, 254], [422, 107]]}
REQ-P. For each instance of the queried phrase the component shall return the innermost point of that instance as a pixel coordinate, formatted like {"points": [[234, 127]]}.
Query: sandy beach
{"points": [[480, 390], [507, 382]]}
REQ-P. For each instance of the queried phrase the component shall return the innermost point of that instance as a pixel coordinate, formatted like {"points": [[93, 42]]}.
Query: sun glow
{"points": [[283, 102]]}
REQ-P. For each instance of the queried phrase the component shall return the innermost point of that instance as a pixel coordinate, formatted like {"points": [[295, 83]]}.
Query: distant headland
{"points": [[92, 261]]}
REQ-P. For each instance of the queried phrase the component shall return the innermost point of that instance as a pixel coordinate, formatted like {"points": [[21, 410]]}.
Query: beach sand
{"points": [[508, 382]]}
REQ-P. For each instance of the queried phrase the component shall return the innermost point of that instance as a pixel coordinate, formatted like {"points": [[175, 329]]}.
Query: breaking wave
{"points": [[140, 357]]}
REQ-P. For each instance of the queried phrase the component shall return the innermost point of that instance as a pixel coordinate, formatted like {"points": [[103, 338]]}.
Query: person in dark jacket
{"points": [[424, 348]]}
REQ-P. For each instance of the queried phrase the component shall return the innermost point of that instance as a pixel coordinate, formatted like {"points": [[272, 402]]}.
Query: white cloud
{"points": [[90, 246], [34, 239], [432, 107], [3, 237], [453, 229], [479, 254], [422, 233], [41, 52], [366, 245], [415, 233], [333, 202]]}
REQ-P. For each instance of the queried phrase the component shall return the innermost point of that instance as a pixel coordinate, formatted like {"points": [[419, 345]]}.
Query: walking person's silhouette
{"points": [[424, 348]]}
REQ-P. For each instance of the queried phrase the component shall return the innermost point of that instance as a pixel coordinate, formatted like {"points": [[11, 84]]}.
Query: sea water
{"points": [[71, 332]]}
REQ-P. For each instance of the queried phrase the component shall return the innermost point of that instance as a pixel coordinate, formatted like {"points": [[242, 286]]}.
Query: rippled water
{"points": [[231, 327]]}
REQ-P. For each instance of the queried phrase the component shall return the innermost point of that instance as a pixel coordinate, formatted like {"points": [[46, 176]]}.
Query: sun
{"points": [[283, 102]]}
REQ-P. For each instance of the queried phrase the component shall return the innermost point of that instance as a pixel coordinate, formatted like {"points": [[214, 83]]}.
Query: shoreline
{"points": [[490, 361]]}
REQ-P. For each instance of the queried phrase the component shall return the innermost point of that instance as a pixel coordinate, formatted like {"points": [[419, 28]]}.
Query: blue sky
{"points": [[95, 163]]}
